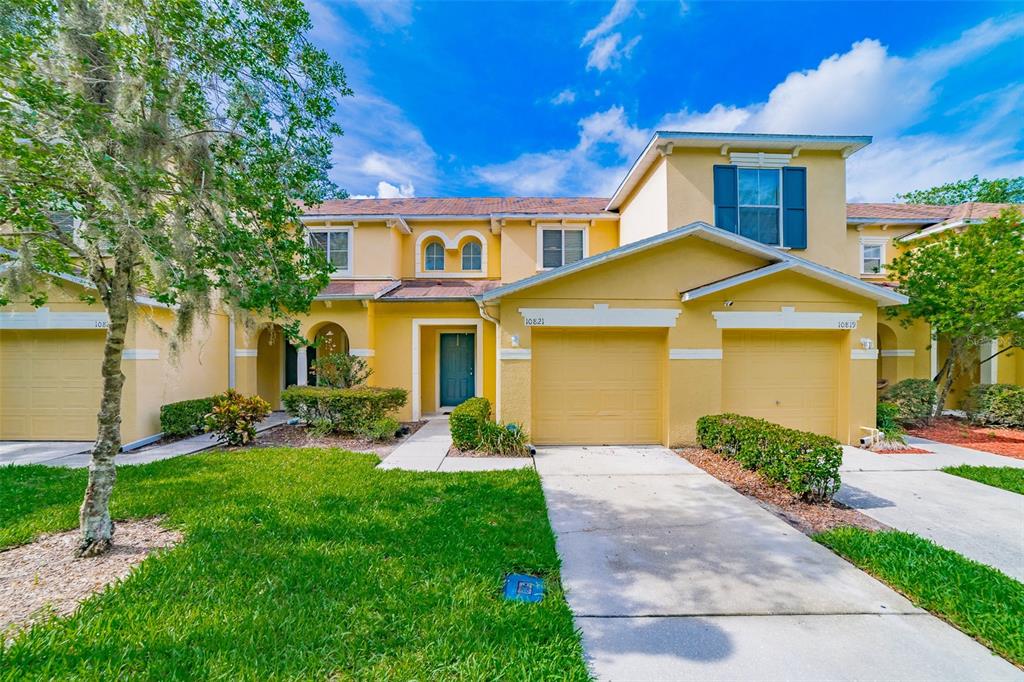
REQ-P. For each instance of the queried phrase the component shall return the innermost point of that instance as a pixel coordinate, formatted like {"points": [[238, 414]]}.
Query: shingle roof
{"points": [[357, 288], [926, 214], [431, 289], [482, 206]]}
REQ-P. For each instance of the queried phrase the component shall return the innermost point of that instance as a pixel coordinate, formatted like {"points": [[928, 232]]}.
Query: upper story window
{"points": [[760, 204], [472, 258], [872, 256], [336, 245], [433, 257], [560, 247]]}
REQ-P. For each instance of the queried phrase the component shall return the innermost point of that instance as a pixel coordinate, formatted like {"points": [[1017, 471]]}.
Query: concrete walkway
{"points": [[75, 455], [909, 493], [672, 575], [427, 450]]}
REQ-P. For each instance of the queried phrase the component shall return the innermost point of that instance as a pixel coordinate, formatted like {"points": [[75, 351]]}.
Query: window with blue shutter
{"points": [[726, 215], [794, 207]]}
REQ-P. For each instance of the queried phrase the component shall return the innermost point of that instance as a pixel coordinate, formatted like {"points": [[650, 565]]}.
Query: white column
{"points": [[934, 355], [989, 369], [301, 366]]}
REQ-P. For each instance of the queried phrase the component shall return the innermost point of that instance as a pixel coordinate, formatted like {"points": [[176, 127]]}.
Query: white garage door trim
{"points": [[787, 318], [601, 315], [44, 318]]}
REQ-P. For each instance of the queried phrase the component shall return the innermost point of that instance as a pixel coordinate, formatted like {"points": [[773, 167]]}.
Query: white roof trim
{"points": [[883, 296], [730, 282], [936, 229]]}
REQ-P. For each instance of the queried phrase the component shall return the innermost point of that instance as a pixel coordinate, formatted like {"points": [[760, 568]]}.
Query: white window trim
{"points": [[347, 272], [873, 241], [562, 228], [777, 169], [451, 243]]}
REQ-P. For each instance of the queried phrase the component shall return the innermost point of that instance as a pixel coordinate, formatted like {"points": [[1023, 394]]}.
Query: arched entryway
{"points": [[328, 339], [270, 351]]}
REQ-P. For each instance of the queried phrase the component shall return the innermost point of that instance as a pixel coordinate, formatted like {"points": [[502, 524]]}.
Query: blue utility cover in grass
{"points": [[521, 587]]}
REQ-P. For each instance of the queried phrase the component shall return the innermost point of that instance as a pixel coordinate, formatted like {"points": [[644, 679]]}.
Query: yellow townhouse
{"points": [[724, 274]]}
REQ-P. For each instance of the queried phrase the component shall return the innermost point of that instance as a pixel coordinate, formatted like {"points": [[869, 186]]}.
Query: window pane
{"points": [[573, 245], [319, 241], [748, 186], [768, 188], [872, 265], [471, 259], [551, 245], [435, 257], [760, 224], [338, 254]]}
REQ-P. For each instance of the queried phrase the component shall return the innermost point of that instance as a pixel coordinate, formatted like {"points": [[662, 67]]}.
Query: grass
{"points": [[304, 563], [1006, 478], [981, 601]]}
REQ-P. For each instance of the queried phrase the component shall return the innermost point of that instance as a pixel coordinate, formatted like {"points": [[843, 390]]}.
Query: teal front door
{"points": [[457, 359]]}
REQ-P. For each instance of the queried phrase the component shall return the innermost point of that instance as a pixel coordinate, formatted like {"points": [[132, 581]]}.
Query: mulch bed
{"points": [[298, 436], [455, 452], [44, 578], [998, 441], [807, 517], [903, 451]]}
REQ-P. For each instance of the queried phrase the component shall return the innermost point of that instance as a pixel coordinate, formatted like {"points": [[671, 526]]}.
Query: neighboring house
{"points": [[589, 320], [880, 232]]}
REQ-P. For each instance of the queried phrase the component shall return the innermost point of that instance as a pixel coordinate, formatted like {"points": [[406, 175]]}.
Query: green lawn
{"points": [[981, 601], [1006, 478], [307, 564]]}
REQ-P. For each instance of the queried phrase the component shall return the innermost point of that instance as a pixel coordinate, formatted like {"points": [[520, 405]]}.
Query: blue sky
{"points": [[545, 98]]}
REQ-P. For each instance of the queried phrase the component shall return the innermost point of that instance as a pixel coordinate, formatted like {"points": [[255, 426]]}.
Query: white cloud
{"points": [[606, 53], [385, 190], [620, 12], [387, 15], [567, 96], [579, 170]]}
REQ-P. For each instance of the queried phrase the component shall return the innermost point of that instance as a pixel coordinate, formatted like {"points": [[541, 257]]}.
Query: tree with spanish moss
{"points": [[175, 137]]}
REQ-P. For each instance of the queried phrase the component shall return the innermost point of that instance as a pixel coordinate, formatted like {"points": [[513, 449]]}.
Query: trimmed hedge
{"points": [[467, 422], [806, 463], [995, 405], [343, 410], [185, 418], [915, 399]]}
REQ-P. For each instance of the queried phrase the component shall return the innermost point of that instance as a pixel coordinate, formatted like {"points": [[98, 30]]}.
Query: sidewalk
{"points": [[427, 450]]}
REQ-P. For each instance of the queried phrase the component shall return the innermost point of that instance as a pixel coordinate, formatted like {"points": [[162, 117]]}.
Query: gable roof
{"points": [[778, 260], [924, 214], [463, 206]]}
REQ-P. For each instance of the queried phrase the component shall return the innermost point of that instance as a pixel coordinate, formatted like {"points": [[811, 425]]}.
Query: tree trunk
{"points": [[951, 369], [94, 517]]}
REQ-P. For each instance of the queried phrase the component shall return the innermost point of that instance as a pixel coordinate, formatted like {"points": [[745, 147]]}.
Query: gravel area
{"points": [[998, 441], [44, 577], [298, 436], [807, 517]]}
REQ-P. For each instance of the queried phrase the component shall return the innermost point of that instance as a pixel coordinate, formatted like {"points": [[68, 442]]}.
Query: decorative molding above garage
{"points": [[787, 318], [601, 315]]}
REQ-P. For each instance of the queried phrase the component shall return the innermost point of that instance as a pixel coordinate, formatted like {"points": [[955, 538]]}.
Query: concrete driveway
{"points": [[672, 575], [909, 493], [39, 452]]}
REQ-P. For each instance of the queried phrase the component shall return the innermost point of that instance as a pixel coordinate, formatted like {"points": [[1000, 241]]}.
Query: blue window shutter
{"points": [[794, 207], [726, 198]]}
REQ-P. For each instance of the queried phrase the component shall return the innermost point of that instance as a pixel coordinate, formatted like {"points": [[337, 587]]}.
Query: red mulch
{"points": [[998, 441], [904, 451], [807, 517]]}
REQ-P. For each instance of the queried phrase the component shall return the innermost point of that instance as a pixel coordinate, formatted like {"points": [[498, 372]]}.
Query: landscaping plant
{"points": [[341, 370], [467, 421], [234, 417], [380, 429], [996, 405], [806, 463], [342, 410], [185, 417], [175, 139], [887, 421], [507, 440], [914, 400]]}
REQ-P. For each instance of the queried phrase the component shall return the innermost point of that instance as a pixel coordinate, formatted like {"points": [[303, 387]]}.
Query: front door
{"points": [[457, 359]]}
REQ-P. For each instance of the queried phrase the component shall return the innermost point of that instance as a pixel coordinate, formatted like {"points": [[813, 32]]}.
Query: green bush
{"points": [[915, 399], [887, 421], [995, 405], [382, 429], [342, 410], [341, 370], [806, 463], [184, 418], [508, 440], [467, 421], [234, 417]]}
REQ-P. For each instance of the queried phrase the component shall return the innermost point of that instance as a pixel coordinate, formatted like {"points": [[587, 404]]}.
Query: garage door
{"points": [[50, 384], [598, 387], [790, 378]]}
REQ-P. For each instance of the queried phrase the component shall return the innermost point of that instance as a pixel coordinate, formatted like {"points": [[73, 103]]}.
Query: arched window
{"points": [[434, 261], [471, 256]]}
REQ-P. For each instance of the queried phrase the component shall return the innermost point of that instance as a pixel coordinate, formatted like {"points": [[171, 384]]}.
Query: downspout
{"points": [[497, 357]]}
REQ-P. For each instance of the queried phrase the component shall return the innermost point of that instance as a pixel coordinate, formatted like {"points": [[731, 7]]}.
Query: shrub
{"points": [[467, 421], [185, 418], [887, 421], [915, 399], [234, 417], [508, 440], [341, 370], [342, 410], [806, 463], [995, 405], [381, 429]]}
